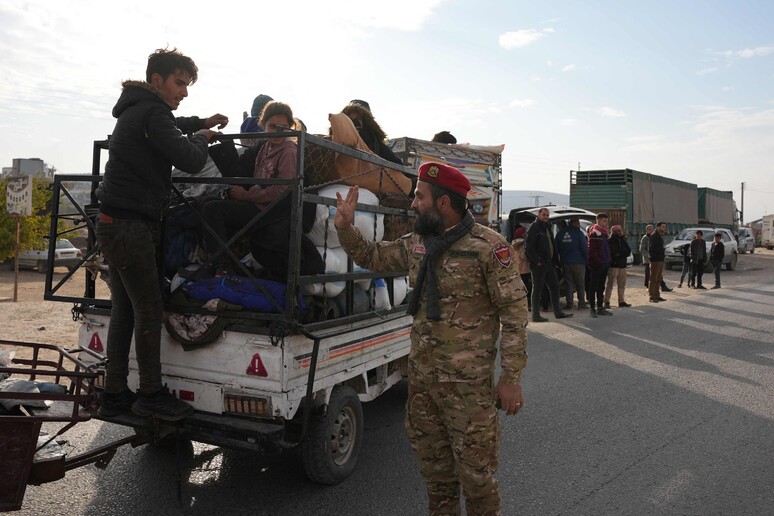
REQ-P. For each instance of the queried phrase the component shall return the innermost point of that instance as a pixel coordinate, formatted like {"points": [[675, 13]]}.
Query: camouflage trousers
{"points": [[455, 433]]}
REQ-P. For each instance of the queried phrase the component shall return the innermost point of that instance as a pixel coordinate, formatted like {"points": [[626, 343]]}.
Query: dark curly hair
{"points": [[165, 62]]}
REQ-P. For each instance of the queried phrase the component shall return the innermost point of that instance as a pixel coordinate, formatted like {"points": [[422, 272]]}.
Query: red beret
{"points": [[446, 177]]}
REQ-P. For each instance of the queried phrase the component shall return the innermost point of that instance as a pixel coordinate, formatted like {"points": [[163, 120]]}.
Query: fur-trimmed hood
{"points": [[134, 92]]}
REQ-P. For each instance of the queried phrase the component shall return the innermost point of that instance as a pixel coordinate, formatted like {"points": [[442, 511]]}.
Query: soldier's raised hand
{"points": [[345, 208]]}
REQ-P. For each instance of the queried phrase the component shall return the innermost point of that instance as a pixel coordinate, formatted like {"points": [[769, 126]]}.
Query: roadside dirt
{"points": [[30, 318]]}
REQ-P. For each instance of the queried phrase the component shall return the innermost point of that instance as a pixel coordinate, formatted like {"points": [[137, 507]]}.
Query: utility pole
{"points": [[741, 213]]}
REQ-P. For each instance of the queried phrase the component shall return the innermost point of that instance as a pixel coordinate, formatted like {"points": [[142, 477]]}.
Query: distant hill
{"points": [[526, 198]]}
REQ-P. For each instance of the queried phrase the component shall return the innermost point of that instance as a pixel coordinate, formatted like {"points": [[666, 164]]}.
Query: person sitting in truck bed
{"points": [[444, 137], [275, 159], [369, 130]]}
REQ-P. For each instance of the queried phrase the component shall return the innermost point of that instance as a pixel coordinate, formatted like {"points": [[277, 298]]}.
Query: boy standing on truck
{"points": [[134, 194], [464, 289]]}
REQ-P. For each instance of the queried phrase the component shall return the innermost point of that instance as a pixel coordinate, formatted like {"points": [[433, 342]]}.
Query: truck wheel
{"points": [[42, 266], [752, 251], [732, 264], [332, 444]]}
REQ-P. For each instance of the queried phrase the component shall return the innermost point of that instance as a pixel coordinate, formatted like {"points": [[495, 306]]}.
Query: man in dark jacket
{"points": [[573, 251], [599, 262], [541, 254], [657, 254], [616, 274], [698, 260], [717, 252], [146, 142]]}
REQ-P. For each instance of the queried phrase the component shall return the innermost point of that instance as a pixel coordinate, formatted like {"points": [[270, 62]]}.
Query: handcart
{"points": [[29, 456]]}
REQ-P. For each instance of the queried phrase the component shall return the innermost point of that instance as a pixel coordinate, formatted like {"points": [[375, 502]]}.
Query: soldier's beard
{"points": [[429, 222]]}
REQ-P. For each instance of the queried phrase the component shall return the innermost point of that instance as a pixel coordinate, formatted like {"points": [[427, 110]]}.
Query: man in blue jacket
{"points": [[573, 254], [134, 195], [541, 254]]}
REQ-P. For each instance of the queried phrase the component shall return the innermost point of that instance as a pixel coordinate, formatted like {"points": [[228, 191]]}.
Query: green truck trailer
{"points": [[635, 199]]}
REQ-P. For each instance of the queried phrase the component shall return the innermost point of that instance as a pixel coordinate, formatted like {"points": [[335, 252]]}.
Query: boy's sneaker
{"points": [[116, 404], [603, 311], [607, 304], [163, 405]]}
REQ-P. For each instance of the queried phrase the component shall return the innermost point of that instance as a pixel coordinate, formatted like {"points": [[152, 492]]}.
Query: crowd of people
{"points": [[594, 262]]}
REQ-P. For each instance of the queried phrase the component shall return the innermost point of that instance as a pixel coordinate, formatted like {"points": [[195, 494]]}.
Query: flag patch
{"points": [[503, 255]]}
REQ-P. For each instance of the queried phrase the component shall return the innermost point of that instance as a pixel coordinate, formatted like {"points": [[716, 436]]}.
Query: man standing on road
{"points": [[644, 251], [465, 291], [717, 252], [541, 254], [599, 262], [698, 260], [644, 242], [616, 274], [657, 255], [146, 142], [573, 251]]}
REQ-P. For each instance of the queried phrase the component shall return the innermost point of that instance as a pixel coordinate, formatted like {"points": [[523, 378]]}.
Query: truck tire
{"points": [[731, 265], [752, 251], [332, 444], [42, 266]]}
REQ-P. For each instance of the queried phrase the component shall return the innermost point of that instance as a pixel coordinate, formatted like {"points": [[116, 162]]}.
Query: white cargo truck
{"points": [[767, 232], [293, 376]]}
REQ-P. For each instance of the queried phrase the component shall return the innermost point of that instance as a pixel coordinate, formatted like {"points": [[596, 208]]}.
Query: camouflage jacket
{"points": [[480, 291]]}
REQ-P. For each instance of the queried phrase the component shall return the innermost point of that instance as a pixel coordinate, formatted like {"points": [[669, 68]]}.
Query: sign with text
{"points": [[18, 199]]}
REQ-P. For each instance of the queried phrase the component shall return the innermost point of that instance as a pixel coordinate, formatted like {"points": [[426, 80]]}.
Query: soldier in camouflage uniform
{"points": [[463, 300]]}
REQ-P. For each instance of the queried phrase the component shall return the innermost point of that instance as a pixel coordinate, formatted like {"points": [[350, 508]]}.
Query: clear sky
{"points": [[676, 88]]}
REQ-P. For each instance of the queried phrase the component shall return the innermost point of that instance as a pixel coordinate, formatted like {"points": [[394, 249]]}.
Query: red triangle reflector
{"points": [[256, 367], [95, 344]]}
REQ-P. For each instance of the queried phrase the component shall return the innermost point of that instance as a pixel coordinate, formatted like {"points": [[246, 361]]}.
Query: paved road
{"points": [[661, 409]]}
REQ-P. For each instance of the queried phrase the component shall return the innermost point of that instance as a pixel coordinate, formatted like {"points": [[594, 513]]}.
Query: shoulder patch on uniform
{"points": [[503, 255], [419, 249]]}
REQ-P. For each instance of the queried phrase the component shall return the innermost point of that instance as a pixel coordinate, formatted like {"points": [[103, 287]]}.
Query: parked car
{"points": [[746, 240], [558, 216], [673, 256], [65, 255]]}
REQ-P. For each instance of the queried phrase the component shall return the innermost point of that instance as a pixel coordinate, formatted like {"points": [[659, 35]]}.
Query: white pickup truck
{"points": [[274, 381], [65, 255]]}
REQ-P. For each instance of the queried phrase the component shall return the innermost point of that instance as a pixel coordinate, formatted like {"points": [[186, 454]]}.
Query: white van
{"points": [[746, 240]]}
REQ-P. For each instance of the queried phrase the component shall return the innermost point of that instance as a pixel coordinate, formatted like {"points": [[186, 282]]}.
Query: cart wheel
{"points": [[42, 266], [332, 443]]}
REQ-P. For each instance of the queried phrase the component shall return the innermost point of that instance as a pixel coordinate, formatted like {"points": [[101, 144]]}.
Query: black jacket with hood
{"points": [[146, 142], [538, 244]]}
